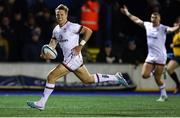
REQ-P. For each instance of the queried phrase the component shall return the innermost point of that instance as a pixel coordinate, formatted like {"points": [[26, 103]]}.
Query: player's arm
{"points": [[86, 34], [173, 29], [53, 43], [135, 19]]}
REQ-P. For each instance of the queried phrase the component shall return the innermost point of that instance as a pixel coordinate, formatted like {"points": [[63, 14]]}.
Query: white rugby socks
{"points": [[104, 77], [47, 92], [163, 90]]}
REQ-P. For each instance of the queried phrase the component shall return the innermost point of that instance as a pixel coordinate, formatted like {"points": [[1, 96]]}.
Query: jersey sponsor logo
{"points": [[153, 37], [61, 39], [105, 76], [64, 30]]}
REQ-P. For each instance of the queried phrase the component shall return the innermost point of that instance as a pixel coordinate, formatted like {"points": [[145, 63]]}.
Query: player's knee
{"points": [[170, 71], [145, 76], [51, 78]]}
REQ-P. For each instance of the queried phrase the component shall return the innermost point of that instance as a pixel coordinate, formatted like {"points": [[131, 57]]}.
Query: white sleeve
{"points": [[146, 24], [165, 28], [76, 28], [53, 33]]}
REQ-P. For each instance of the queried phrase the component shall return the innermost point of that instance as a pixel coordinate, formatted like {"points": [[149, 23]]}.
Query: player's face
{"points": [[155, 19], [61, 17]]}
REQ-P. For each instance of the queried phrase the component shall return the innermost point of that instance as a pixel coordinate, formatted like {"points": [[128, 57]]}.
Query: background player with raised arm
{"points": [[66, 34], [156, 37]]}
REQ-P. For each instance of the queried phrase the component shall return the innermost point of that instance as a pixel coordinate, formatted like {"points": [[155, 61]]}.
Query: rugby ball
{"points": [[47, 49]]}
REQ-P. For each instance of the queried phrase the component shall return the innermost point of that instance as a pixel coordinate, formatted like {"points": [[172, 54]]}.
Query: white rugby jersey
{"points": [[67, 37], [156, 38]]}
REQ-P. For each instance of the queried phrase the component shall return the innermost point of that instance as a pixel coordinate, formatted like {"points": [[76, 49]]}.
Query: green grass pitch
{"points": [[91, 106]]}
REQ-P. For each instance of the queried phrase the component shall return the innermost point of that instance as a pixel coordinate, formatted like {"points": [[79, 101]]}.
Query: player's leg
{"points": [[55, 74], [147, 70], [158, 73], [83, 74], [171, 66]]}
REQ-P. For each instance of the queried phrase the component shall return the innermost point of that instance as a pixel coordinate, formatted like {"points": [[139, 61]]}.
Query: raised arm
{"points": [[135, 19], [173, 29]]}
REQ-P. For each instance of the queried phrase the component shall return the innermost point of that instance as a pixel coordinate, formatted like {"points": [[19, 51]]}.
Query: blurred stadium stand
{"points": [[19, 21]]}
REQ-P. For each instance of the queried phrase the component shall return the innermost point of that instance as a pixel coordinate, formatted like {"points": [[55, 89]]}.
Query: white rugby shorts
{"points": [[156, 59], [73, 62]]}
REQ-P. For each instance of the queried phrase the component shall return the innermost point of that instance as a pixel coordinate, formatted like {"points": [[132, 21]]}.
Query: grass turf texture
{"points": [[91, 106]]}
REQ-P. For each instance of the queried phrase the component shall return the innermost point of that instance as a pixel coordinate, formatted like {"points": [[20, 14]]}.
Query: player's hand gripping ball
{"points": [[49, 51]]}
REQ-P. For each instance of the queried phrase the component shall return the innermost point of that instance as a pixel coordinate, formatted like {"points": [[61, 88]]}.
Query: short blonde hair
{"points": [[62, 7]]}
